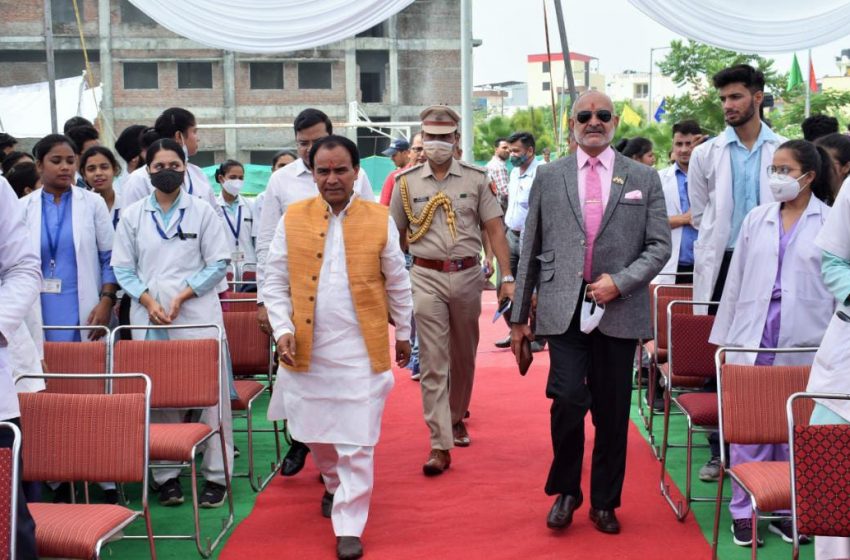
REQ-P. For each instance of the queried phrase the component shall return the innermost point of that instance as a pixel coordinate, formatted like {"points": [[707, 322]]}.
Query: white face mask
{"points": [[233, 186], [785, 187], [591, 314], [439, 152]]}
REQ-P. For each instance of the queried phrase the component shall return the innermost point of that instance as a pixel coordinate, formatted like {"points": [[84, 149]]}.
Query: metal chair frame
{"points": [[227, 523], [15, 483]]}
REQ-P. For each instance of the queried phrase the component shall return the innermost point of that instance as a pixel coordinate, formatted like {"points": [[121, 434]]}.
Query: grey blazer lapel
{"points": [[571, 183], [618, 184]]}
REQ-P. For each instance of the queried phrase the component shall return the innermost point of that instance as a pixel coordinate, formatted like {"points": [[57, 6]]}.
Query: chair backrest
{"points": [[183, 373], [820, 472], [9, 481], [76, 357], [752, 401], [688, 345], [250, 347], [664, 296], [69, 437], [233, 301]]}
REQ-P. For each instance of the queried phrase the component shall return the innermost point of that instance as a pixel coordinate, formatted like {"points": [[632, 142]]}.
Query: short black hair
{"points": [[840, 143], [43, 146], [74, 122], [637, 147], [99, 150], [225, 167], [7, 140], [284, 152], [22, 176], [526, 138], [498, 141], [312, 117], [335, 141], [165, 144], [12, 159], [174, 120], [127, 144], [82, 134], [689, 126], [817, 126], [745, 74]]}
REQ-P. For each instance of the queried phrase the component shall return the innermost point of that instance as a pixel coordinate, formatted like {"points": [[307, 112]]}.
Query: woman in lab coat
{"points": [[831, 370], [99, 167], [774, 295], [71, 230], [170, 252], [237, 213]]}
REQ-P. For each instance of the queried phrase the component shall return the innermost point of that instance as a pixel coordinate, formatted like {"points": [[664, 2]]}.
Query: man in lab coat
{"points": [[727, 178]]}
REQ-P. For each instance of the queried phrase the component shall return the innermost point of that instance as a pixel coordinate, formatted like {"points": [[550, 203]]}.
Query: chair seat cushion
{"points": [[681, 381], [72, 530], [174, 442], [246, 390], [701, 407], [768, 481]]}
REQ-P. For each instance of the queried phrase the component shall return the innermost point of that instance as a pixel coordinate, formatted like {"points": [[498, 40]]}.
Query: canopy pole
{"points": [[51, 65], [466, 79], [565, 49], [809, 88]]}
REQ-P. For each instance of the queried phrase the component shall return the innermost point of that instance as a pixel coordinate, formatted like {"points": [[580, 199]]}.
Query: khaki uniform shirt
{"points": [[473, 201]]}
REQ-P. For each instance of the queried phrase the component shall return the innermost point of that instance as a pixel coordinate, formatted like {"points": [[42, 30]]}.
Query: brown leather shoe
{"points": [[438, 461], [604, 520], [348, 548], [561, 514], [327, 504], [461, 435]]}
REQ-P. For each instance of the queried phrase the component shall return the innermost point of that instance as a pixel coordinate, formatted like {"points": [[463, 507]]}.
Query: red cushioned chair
{"points": [[690, 364], [9, 482], [185, 374], [820, 473], [87, 357], [252, 356], [751, 404], [84, 437], [661, 296]]}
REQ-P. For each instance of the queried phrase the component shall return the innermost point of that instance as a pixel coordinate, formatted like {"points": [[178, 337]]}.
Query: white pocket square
{"points": [[633, 195]]}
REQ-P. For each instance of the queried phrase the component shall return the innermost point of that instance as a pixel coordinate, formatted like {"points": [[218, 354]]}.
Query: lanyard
{"points": [[115, 218], [179, 231], [53, 244], [191, 186], [234, 230]]}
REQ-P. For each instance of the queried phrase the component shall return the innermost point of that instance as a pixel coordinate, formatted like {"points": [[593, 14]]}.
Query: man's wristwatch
{"points": [[110, 295], [508, 279]]}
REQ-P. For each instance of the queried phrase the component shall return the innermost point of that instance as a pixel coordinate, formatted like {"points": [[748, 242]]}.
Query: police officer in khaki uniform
{"points": [[440, 207]]}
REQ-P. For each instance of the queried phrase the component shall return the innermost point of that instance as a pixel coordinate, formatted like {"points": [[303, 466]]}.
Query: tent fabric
{"points": [[269, 26], [756, 26], [25, 109]]}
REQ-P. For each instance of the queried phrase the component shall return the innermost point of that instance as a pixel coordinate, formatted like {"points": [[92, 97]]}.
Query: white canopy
{"points": [[753, 26], [25, 109], [269, 26]]}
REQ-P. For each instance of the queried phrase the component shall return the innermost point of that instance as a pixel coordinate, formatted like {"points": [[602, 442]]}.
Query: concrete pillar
{"points": [[393, 69], [350, 81], [228, 65], [107, 111]]}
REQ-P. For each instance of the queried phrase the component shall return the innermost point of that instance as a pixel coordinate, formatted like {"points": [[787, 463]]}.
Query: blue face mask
{"points": [[519, 161]]}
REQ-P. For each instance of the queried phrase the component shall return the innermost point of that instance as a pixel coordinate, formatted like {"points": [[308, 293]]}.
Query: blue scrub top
{"points": [[63, 308]]}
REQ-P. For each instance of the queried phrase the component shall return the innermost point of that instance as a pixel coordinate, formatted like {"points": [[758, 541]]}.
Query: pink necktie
{"points": [[592, 214]]}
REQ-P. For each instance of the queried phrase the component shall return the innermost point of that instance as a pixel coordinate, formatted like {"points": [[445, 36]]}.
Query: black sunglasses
{"points": [[584, 117]]}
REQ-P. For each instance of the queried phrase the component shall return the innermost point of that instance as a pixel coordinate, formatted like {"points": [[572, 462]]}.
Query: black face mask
{"points": [[167, 180]]}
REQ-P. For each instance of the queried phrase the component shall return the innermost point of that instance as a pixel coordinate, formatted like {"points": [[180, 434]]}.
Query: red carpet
{"points": [[490, 503]]}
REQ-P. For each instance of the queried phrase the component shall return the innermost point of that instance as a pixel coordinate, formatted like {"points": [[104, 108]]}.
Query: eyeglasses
{"points": [[604, 115], [417, 149], [781, 170]]}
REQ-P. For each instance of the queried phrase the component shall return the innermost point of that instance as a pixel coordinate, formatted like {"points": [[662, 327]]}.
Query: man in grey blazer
{"points": [[597, 225]]}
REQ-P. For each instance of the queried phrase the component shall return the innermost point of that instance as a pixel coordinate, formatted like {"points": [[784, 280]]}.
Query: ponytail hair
{"points": [[225, 167]]}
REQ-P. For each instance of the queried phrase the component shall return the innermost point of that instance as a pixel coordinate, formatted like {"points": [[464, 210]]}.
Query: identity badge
{"points": [[237, 256], [51, 286]]}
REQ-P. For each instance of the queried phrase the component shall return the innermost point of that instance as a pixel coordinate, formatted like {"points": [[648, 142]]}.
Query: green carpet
{"points": [[774, 547], [179, 519]]}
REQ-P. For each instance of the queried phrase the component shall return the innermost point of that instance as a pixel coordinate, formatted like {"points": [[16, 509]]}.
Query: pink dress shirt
{"points": [[605, 171]]}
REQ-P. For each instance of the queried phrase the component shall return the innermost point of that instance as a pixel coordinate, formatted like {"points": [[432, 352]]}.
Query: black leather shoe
{"points": [[348, 548], [604, 520], [294, 460], [327, 504], [561, 514], [504, 343]]}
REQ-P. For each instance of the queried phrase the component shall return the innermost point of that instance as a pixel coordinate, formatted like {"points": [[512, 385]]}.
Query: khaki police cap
{"points": [[439, 119]]}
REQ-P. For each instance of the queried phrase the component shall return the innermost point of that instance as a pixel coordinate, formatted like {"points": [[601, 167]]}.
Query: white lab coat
{"points": [[674, 207], [246, 241], [710, 195], [258, 214], [93, 232], [806, 305], [831, 370], [163, 266]]}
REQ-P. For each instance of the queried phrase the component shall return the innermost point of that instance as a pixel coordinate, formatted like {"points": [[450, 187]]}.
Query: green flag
{"points": [[795, 77]]}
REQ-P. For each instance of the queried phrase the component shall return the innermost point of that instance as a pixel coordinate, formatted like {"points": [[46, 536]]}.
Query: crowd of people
{"points": [[756, 222]]}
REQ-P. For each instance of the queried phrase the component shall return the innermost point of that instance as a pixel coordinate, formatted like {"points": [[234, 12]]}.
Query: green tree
{"points": [[537, 120], [829, 102]]}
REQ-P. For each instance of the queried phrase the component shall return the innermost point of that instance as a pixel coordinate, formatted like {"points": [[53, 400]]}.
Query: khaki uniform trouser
{"points": [[446, 306]]}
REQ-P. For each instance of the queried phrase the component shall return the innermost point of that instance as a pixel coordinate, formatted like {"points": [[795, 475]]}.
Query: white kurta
{"points": [[340, 399]]}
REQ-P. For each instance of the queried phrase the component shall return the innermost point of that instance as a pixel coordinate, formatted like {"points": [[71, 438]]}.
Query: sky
{"points": [[614, 31]]}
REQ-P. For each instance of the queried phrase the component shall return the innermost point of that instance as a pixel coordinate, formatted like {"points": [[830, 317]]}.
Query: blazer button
{"points": [[308, 321], [314, 278], [312, 298], [318, 255], [322, 234]]}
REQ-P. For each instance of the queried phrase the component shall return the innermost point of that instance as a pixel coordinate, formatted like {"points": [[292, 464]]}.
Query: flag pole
{"points": [[809, 88]]}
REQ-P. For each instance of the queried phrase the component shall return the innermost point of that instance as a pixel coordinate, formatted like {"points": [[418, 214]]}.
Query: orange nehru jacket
{"points": [[365, 236]]}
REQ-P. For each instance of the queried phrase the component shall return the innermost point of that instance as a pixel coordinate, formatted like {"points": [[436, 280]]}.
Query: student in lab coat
{"points": [[237, 211], [727, 176], [831, 370], [179, 125], [170, 252], [71, 230], [774, 295], [99, 167]]}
